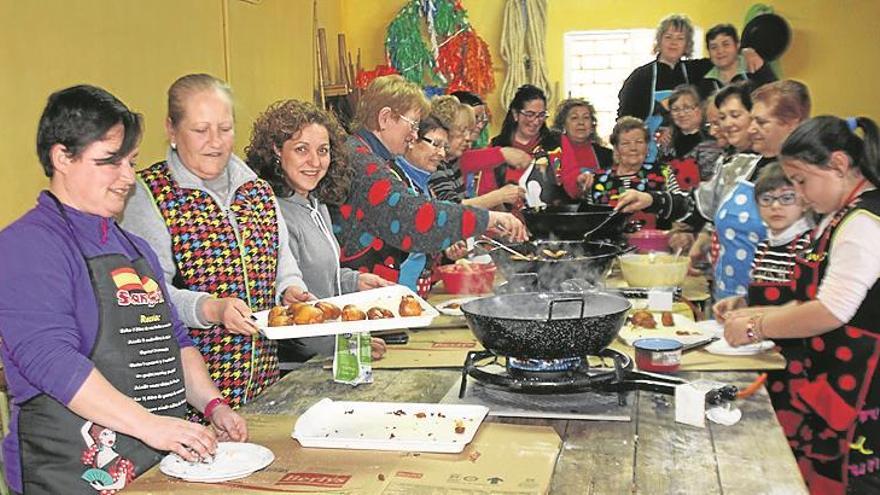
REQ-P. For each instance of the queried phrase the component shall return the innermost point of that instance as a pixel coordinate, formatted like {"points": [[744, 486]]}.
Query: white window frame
{"points": [[641, 43]]}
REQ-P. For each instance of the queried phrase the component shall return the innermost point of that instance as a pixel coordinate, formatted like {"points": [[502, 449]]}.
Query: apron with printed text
{"points": [[137, 352]]}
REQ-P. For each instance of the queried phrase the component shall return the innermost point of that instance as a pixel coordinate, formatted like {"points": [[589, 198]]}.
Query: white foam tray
{"points": [[398, 426], [383, 297]]}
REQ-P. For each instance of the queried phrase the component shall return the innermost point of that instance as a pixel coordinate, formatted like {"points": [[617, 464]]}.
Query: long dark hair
{"points": [[814, 141], [524, 94], [284, 120]]}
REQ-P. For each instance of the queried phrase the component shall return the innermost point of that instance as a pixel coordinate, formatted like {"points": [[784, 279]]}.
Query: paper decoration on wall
{"points": [[432, 43]]}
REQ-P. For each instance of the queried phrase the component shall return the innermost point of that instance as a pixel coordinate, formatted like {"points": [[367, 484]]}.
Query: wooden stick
{"points": [[343, 70], [322, 50]]}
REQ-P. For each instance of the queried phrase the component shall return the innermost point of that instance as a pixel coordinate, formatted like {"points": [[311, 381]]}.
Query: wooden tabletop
{"points": [[649, 454]]}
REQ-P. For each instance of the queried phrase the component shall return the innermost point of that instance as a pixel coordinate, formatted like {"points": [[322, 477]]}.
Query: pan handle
{"points": [[565, 300]]}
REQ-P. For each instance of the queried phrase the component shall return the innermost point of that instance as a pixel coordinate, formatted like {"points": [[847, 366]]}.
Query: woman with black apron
{"points": [[99, 366], [833, 425]]}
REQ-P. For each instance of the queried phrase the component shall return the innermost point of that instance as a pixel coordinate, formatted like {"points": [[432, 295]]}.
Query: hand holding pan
{"points": [[768, 34]]}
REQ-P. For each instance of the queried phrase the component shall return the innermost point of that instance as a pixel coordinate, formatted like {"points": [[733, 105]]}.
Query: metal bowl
{"points": [[584, 260], [572, 221]]}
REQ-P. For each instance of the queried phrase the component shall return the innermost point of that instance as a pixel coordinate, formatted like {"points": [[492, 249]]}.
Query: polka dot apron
{"points": [[739, 228], [833, 423], [769, 292]]}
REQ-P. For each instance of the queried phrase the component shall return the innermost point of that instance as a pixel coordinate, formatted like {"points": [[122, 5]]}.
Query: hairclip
{"points": [[852, 123]]}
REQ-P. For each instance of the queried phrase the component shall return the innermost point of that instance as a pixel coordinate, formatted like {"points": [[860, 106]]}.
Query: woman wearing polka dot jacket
{"points": [[382, 220], [833, 423]]}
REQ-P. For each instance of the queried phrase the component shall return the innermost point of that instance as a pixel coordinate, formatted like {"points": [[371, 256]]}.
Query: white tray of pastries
{"points": [[385, 308]]}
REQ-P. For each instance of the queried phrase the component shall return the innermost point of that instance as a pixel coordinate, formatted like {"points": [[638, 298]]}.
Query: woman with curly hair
{"points": [[298, 149]]}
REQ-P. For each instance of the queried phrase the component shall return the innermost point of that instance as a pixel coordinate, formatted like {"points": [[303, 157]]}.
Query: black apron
{"points": [[137, 352], [794, 350]]}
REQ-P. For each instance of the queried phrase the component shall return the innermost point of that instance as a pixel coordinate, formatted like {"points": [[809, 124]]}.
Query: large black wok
{"points": [[583, 260], [571, 221], [546, 325]]}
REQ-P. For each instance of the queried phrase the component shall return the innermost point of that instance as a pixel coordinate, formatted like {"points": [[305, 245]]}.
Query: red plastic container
{"points": [[471, 278], [658, 355], [649, 240]]}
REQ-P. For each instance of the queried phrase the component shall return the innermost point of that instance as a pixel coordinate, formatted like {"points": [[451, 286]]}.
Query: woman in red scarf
{"points": [[582, 150]]}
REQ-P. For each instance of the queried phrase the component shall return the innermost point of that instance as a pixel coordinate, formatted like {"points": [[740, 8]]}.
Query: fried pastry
{"points": [[330, 310], [409, 306], [352, 313]]}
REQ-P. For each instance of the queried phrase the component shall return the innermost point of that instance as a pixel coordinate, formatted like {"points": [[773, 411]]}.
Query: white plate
{"points": [[233, 460], [446, 310], [721, 347], [383, 297], [711, 327], [683, 330], [399, 426]]}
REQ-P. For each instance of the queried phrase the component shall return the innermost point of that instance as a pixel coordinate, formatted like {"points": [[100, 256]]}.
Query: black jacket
{"points": [[635, 95]]}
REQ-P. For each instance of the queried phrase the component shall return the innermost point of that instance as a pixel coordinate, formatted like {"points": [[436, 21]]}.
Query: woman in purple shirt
{"points": [[98, 365]]}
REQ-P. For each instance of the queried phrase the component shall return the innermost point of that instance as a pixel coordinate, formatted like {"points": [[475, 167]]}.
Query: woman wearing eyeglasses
{"points": [[756, 124], [382, 220], [447, 182], [687, 119], [524, 128]]}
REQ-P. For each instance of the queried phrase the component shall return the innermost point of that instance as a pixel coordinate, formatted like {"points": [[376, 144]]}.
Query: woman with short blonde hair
{"points": [[383, 226]]}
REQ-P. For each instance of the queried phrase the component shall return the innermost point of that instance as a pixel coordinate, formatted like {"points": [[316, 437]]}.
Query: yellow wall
{"points": [[135, 49], [832, 41]]}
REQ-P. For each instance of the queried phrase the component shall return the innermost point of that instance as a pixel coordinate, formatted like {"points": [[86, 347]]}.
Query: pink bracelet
{"points": [[212, 405]]}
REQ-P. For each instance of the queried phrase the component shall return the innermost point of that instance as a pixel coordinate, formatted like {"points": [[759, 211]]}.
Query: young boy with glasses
{"points": [[789, 225]]}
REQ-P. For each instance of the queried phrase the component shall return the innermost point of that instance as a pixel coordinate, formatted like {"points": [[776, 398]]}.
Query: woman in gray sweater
{"points": [[298, 149]]}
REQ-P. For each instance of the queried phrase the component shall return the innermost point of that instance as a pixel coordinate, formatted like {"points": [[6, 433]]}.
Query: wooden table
{"points": [[650, 454]]}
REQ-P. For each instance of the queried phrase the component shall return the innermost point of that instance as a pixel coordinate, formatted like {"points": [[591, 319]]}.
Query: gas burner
{"points": [[537, 368], [577, 376], [495, 371]]}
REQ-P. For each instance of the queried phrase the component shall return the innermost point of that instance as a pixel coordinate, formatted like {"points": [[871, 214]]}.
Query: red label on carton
{"points": [[324, 480]]}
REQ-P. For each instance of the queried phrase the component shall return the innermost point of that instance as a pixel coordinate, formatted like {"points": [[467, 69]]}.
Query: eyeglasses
{"points": [[532, 115], [414, 124], [785, 199], [683, 109], [437, 144]]}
